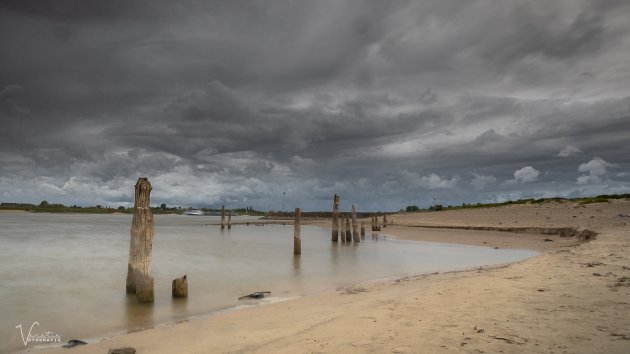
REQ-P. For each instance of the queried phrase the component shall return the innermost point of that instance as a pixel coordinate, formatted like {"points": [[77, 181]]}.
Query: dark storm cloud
{"points": [[386, 103]]}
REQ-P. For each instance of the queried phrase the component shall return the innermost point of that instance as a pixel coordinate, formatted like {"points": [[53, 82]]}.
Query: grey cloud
{"points": [[386, 103], [568, 151], [594, 170], [526, 174]]}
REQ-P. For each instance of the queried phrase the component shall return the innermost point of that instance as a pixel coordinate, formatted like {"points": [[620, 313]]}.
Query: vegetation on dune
{"points": [[604, 198]]}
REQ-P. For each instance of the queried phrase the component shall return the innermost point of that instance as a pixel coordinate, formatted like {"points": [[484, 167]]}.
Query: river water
{"points": [[67, 271]]}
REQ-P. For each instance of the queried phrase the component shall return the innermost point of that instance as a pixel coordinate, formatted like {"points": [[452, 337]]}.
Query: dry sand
{"points": [[567, 300]]}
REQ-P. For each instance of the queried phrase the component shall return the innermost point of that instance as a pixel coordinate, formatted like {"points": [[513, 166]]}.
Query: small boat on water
{"points": [[194, 212]]}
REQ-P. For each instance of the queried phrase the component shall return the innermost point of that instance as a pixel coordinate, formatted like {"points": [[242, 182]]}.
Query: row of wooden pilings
{"points": [[139, 280], [229, 222], [341, 231]]}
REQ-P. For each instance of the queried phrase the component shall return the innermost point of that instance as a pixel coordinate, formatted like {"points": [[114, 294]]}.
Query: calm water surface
{"points": [[68, 272]]}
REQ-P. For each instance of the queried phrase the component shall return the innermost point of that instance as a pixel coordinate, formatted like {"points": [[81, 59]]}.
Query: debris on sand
{"points": [[73, 343], [256, 295]]}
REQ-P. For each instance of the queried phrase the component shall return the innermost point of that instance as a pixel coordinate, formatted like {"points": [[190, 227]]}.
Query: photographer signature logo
{"points": [[44, 337]]}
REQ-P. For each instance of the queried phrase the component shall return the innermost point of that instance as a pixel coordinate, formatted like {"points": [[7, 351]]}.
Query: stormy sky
{"points": [[387, 103]]}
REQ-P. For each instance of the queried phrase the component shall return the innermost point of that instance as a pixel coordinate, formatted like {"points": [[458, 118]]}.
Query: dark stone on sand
{"points": [[548, 240], [256, 295], [124, 350], [597, 275], [73, 343]]}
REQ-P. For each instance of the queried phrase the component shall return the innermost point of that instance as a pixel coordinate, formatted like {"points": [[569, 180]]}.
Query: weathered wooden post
{"points": [[222, 216], [180, 286], [355, 226], [297, 241], [363, 230], [385, 220], [342, 229], [139, 280], [230, 219], [373, 224], [335, 217], [348, 231]]}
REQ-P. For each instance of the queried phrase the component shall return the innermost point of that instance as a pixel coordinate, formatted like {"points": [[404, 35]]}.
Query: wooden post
{"points": [[355, 226], [373, 224], [297, 241], [180, 286], [363, 230], [230, 219], [342, 229], [385, 220], [348, 231], [222, 216], [335, 218], [144, 288], [139, 280]]}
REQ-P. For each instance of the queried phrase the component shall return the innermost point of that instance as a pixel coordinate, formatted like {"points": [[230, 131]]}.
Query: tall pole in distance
{"points": [[222, 217], [297, 241], [335, 218]]}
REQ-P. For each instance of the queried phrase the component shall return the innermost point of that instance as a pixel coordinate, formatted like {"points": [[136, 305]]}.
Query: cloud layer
{"points": [[385, 103]]}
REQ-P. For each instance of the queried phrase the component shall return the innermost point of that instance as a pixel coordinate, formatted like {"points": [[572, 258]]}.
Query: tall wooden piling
{"points": [[297, 241], [355, 226], [222, 216], [385, 220], [139, 280], [230, 219], [348, 231], [335, 218]]}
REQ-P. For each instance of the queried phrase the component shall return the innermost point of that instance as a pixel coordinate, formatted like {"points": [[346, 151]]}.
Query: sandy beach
{"points": [[573, 298]]}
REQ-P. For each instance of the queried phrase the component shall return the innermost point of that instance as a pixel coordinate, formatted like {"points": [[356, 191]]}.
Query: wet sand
{"points": [[570, 299]]}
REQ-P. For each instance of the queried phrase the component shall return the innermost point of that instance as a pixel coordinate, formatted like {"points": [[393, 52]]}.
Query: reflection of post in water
{"points": [[138, 316], [297, 266], [179, 307], [334, 258], [363, 230]]}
